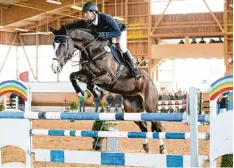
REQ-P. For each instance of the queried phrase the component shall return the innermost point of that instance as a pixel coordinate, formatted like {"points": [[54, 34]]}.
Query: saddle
{"points": [[117, 54], [115, 50], [119, 58]]}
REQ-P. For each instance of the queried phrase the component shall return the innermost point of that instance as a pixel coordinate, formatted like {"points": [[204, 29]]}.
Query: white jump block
{"points": [[221, 135]]}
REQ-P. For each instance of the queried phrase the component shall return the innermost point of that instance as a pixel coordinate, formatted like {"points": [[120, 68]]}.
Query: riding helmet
{"points": [[90, 6]]}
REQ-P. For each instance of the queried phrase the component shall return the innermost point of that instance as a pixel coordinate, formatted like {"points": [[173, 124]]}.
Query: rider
{"points": [[107, 27]]}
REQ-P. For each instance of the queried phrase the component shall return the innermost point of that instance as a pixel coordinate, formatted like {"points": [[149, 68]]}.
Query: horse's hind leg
{"points": [[143, 127], [134, 105], [157, 126], [151, 99]]}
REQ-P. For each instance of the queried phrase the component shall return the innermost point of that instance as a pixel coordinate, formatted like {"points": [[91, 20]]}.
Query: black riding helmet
{"points": [[90, 6]]}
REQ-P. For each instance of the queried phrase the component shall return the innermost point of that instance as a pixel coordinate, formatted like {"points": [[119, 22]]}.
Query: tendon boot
{"points": [[135, 71], [97, 92]]}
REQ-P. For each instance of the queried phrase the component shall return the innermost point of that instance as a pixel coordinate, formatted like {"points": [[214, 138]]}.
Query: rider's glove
{"points": [[101, 36]]}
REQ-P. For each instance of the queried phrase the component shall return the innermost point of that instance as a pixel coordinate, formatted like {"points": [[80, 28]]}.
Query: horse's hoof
{"points": [[146, 147], [164, 152], [162, 149], [97, 146], [87, 94]]}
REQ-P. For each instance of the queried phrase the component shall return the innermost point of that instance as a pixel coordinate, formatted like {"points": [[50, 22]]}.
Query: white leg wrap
{"points": [[161, 142], [145, 141]]}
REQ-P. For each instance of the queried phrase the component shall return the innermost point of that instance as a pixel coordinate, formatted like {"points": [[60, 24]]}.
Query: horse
{"points": [[101, 67]]}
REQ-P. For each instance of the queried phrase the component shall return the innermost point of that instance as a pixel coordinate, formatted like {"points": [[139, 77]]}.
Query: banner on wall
{"points": [[24, 76]]}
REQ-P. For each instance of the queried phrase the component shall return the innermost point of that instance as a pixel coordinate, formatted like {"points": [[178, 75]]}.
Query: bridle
{"points": [[59, 39], [67, 57]]}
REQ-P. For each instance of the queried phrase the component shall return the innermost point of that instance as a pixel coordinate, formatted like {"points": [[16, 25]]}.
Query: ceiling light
{"points": [[118, 18], [54, 2], [76, 7], [23, 30]]}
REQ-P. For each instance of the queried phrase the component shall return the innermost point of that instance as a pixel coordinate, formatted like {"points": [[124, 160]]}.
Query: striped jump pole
{"points": [[115, 159], [169, 117], [119, 134]]}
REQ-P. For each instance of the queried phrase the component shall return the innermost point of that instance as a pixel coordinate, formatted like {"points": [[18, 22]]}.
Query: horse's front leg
{"points": [[74, 77], [97, 91]]}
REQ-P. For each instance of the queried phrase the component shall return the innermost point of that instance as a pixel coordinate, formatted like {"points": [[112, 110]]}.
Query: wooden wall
{"points": [[140, 22], [136, 18], [7, 38], [228, 39], [169, 27]]}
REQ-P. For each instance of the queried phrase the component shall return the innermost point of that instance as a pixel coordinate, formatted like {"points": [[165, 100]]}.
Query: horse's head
{"points": [[73, 37], [63, 48]]}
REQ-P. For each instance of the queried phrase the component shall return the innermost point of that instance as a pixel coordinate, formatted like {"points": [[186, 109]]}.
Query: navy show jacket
{"points": [[108, 26]]}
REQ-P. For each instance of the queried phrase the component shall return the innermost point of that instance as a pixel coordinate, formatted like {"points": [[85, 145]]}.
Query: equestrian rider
{"points": [[107, 27]]}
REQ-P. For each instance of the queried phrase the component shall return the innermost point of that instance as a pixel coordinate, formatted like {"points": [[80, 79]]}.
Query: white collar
{"points": [[95, 22]]}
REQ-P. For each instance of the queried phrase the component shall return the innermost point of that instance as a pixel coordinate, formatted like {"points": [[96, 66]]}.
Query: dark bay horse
{"points": [[99, 68]]}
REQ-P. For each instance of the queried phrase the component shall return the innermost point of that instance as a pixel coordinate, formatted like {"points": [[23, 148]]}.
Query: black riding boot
{"points": [[135, 71]]}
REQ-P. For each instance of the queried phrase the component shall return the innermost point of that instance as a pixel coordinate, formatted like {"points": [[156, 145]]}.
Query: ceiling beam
{"points": [[33, 8], [214, 17], [29, 22], [160, 18], [38, 8]]}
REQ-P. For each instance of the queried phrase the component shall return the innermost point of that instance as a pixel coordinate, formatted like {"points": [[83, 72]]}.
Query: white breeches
{"points": [[123, 41]]}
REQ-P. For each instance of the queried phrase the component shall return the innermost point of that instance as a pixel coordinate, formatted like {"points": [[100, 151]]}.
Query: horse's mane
{"points": [[77, 24]]}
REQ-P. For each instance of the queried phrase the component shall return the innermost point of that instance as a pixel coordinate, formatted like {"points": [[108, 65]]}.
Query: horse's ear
{"points": [[52, 30], [63, 30]]}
